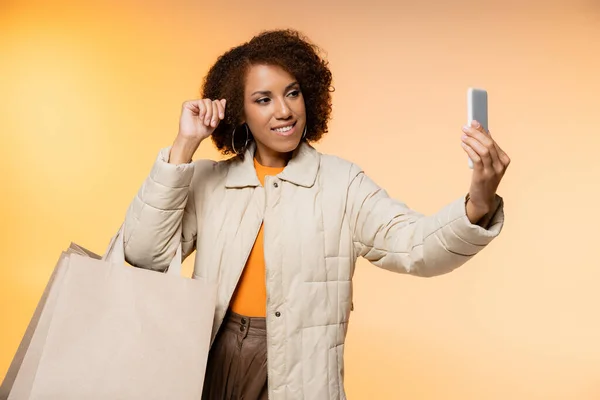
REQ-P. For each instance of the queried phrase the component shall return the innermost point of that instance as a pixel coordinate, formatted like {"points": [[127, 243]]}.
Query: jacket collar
{"points": [[301, 170]]}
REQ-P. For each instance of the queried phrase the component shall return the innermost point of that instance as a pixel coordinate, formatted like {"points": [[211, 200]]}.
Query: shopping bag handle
{"points": [[116, 251]]}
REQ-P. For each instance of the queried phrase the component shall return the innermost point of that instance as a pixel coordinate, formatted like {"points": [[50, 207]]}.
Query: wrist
{"points": [[183, 150], [475, 212]]}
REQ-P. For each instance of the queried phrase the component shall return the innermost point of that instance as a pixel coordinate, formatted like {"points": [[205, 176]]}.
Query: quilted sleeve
{"points": [[392, 236], [163, 203]]}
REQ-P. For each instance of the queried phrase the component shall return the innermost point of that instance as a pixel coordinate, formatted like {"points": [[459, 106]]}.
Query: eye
{"points": [[294, 93], [263, 100]]}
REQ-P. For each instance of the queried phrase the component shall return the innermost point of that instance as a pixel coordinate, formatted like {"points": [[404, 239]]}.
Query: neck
{"points": [[270, 158]]}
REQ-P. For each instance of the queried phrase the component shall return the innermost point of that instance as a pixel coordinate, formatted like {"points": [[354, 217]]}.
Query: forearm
{"points": [[475, 214], [155, 214], [183, 150], [481, 215]]}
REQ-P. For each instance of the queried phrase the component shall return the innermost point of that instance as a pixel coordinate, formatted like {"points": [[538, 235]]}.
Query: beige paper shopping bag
{"points": [[22, 350], [21, 353], [113, 332]]}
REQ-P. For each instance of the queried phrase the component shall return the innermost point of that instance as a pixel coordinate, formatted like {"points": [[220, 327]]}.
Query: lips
{"points": [[285, 131]]}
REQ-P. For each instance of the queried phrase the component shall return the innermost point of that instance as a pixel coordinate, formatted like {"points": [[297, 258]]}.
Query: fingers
{"points": [[218, 112], [504, 158], [192, 105], [215, 115], [476, 131], [475, 124], [221, 108], [487, 153], [197, 106], [472, 153], [215, 112], [209, 111], [479, 141], [484, 158]]}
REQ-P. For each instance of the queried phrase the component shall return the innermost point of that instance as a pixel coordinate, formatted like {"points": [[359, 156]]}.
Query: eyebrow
{"points": [[268, 92]]}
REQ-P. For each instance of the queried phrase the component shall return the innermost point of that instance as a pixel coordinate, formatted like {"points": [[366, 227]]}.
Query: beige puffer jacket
{"points": [[319, 214]]}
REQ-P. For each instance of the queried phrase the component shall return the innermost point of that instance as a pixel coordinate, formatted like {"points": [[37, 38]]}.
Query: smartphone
{"points": [[477, 109]]}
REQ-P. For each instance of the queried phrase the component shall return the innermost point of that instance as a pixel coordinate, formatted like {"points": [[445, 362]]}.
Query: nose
{"points": [[282, 110]]}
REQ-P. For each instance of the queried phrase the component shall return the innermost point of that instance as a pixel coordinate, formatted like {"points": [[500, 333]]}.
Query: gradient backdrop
{"points": [[91, 92]]}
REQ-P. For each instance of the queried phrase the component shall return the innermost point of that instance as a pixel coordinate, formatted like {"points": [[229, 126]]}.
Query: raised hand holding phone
{"points": [[488, 161]]}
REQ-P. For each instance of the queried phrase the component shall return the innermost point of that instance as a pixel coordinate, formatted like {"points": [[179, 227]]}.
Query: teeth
{"points": [[284, 129]]}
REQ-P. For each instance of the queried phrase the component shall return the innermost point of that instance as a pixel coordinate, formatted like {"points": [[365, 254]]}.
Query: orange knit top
{"points": [[250, 296]]}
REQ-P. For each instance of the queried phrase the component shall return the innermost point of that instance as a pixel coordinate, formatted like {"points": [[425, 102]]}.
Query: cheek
{"points": [[257, 115], [259, 119]]}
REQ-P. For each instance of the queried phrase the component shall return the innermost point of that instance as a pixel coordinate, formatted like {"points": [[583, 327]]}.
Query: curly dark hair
{"points": [[288, 49]]}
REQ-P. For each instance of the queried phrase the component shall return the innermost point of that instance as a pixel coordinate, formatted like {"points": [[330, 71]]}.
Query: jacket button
{"points": [[276, 184], [278, 314], [242, 328], [244, 321]]}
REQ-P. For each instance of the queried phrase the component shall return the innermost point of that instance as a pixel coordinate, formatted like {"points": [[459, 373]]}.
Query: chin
{"points": [[286, 146]]}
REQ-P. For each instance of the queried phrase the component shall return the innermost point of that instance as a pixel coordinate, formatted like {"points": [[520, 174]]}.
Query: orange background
{"points": [[91, 93]]}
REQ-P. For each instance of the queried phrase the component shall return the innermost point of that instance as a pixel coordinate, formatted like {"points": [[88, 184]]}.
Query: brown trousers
{"points": [[237, 361]]}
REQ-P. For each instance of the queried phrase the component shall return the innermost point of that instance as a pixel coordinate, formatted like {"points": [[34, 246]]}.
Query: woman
{"points": [[279, 226]]}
